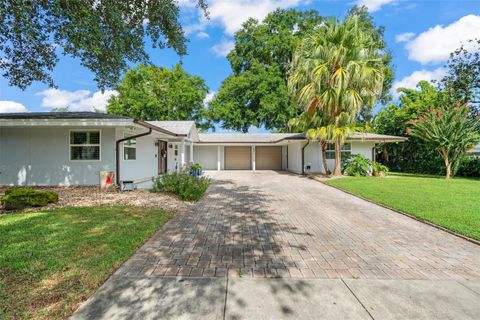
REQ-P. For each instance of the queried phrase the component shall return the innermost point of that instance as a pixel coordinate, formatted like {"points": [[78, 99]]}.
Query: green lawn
{"points": [[453, 204], [51, 261]]}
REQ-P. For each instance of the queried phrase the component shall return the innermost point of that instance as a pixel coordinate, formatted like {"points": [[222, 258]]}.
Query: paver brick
{"points": [[269, 224]]}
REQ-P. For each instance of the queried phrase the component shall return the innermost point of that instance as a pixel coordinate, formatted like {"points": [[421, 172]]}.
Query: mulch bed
{"points": [[89, 196]]}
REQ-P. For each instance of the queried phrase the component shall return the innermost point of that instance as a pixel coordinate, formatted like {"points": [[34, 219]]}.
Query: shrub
{"points": [[188, 187], [357, 165], [469, 167], [196, 166], [379, 169], [20, 198]]}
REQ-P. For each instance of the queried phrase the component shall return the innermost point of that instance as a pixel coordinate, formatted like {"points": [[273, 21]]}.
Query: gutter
{"points": [[117, 152], [303, 157]]}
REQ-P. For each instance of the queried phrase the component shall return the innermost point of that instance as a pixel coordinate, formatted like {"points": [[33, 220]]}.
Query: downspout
{"points": [[117, 152], [303, 156]]}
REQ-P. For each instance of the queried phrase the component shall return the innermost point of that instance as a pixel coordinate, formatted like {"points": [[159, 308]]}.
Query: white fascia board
{"points": [[65, 123]]}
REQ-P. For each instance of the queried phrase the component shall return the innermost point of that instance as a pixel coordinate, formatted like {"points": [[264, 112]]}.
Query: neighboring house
{"points": [[475, 151], [72, 148]]}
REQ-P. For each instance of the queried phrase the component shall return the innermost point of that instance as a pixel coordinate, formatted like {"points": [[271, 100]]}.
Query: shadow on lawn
{"points": [[231, 231]]}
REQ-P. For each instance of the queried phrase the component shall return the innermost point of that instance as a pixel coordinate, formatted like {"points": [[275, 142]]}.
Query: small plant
{"points": [[379, 170], [196, 169], [21, 198], [186, 186], [357, 165]]}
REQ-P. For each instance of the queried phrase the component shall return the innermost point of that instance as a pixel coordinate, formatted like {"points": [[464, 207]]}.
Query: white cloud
{"points": [[209, 97], [230, 14], [404, 37], [223, 48], [202, 35], [374, 5], [436, 44], [415, 77], [80, 100], [11, 106]]}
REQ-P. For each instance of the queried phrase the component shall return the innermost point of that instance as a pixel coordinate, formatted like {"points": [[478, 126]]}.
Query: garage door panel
{"points": [[268, 158], [238, 158]]}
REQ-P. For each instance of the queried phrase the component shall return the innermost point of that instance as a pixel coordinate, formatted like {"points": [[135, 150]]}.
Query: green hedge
{"points": [[470, 167], [20, 198], [188, 187]]}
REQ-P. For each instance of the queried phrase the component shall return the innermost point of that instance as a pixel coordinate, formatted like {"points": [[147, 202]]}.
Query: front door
{"points": [[162, 157]]}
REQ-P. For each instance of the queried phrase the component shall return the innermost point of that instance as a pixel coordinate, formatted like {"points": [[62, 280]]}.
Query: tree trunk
{"points": [[448, 167], [338, 158], [324, 158]]}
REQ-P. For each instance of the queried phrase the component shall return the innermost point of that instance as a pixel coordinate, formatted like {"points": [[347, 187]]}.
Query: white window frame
{"points": [[85, 145], [332, 151], [126, 135]]}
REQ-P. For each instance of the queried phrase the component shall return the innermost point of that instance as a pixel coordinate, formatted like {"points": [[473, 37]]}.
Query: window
{"points": [[85, 145], [130, 149], [346, 150]]}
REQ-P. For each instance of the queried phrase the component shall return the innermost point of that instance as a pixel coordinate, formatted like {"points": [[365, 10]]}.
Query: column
{"points": [[182, 155], [253, 158], [191, 152], [219, 161]]}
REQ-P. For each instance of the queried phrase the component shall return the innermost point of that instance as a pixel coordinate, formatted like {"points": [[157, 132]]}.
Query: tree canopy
{"points": [[105, 35], [412, 155], [447, 129], [256, 92], [463, 77], [154, 93], [337, 71]]}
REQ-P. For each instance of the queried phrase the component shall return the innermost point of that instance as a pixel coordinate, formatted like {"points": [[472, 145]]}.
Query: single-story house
{"points": [[72, 148], [475, 151]]}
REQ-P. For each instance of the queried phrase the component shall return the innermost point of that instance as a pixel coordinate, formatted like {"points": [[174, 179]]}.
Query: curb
{"points": [[406, 214]]}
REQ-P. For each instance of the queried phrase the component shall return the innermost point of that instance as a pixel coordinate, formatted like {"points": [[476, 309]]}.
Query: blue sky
{"points": [[420, 35]]}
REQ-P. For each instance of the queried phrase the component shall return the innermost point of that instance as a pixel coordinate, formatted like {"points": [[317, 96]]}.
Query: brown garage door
{"points": [[238, 158], [268, 158]]}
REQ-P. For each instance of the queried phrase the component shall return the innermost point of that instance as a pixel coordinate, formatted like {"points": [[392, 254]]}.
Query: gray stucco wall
{"points": [[41, 156]]}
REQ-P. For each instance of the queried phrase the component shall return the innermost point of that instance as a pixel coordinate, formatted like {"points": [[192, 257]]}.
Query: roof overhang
{"points": [[66, 122]]}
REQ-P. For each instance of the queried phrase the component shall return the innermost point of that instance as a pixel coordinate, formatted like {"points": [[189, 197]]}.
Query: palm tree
{"points": [[336, 71]]}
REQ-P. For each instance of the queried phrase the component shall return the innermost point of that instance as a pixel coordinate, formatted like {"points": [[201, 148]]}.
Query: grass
{"points": [[453, 204], [51, 261]]}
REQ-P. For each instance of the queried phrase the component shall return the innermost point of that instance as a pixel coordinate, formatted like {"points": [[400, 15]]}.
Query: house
{"points": [[475, 151], [72, 148]]}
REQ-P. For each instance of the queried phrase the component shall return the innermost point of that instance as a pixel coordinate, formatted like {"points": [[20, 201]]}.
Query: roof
{"points": [[177, 127], [60, 115], [374, 136], [277, 137], [246, 137]]}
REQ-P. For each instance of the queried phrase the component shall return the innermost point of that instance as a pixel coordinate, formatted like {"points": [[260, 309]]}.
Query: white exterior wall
{"points": [[41, 156], [146, 163], [313, 158], [284, 157], [295, 156], [211, 157], [364, 148], [206, 156], [313, 155]]}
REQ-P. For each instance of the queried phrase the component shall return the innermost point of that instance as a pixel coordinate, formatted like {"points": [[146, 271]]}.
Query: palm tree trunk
{"points": [[338, 158], [324, 158]]}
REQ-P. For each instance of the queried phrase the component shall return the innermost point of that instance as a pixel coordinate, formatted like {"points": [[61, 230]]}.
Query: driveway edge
{"points": [[404, 213]]}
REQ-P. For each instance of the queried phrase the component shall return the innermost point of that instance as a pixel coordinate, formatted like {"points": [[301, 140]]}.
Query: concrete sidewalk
{"points": [[278, 298]]}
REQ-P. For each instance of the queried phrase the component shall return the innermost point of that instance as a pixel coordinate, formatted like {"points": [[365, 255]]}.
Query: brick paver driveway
{"points": [[270, 224]]}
